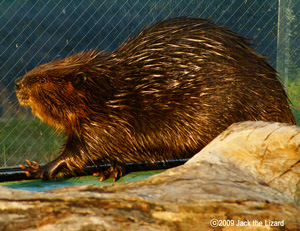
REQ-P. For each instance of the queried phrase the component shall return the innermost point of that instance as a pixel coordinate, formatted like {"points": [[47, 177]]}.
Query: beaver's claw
{"points": [[113, 172]]}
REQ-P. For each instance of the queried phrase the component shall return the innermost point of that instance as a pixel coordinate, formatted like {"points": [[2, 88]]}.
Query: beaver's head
{"points": [[61, 92]]}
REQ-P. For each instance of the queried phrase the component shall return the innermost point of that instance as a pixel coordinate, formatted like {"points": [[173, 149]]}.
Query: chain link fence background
{"points": [[34, 32]]}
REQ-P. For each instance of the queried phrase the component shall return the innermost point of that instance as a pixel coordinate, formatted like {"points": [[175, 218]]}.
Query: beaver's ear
{"points": [[78, 80]]}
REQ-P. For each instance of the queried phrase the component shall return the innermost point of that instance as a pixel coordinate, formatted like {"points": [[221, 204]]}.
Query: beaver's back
{"points": [[192, 64]]}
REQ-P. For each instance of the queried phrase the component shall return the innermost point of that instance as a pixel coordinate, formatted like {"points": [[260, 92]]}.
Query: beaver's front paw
{"points": [[34, 170]]}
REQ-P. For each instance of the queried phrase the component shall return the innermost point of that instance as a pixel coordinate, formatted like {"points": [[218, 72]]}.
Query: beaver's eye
{"points": [[42, 80]]}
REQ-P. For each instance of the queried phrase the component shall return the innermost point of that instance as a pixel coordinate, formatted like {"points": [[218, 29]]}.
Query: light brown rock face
{"points": [[268, 151], [249, 175]]}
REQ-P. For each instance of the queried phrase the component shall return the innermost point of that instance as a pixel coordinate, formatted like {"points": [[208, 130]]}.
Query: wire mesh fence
{"points": [[35, 32]]}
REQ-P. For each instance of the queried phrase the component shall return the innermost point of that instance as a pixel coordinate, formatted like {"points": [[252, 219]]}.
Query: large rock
{"points": [[249, 174], [268, 151]]}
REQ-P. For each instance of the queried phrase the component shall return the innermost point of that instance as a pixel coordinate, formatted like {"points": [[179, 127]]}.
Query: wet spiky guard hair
{"points": [[164, 94]]}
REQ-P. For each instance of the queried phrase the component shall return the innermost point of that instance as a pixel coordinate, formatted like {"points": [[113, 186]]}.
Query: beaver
{"points": [[162, 95]]}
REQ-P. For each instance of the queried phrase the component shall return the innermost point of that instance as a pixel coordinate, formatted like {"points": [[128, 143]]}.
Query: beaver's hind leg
{"points": [[115, 171]]}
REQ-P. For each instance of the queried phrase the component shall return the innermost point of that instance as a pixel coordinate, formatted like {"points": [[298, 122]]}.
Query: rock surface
{"points": [[249, 175]]}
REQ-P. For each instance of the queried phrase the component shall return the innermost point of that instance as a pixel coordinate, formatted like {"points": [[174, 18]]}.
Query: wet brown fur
{"points": [[163, 94]]}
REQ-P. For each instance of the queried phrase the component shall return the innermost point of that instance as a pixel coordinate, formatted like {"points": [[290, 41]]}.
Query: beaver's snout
{"points": [[18, 84]]}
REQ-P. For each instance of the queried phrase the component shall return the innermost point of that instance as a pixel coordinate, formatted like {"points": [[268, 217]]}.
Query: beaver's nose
{"points": [[18, 84]]}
